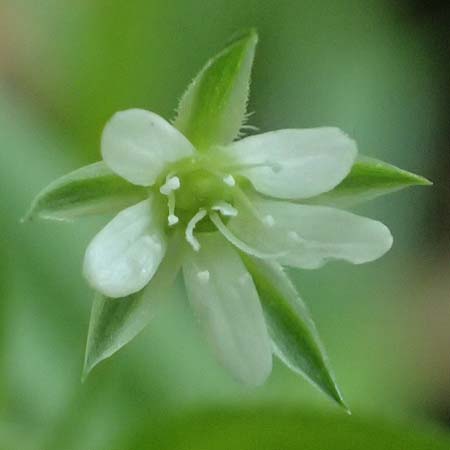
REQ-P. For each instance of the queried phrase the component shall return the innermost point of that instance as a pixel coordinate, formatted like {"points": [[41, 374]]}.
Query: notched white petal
{"points": [[311, 235], [232, 238], [295, 164], [224, 298], [139, 144], [123, 257]]}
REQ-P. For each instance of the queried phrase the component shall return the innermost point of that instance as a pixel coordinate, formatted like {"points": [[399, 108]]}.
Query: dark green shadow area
{"points": [[282, 429]]}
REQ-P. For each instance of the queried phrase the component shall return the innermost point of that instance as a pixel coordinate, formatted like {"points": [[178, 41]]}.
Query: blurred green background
{"points": [[376, 68]]}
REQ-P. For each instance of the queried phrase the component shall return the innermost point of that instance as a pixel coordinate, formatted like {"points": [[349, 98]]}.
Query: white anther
{"points": [[203, 276], [172, 219], [225, 209], [269, 220], [171, 184], [189, 233], [229, 180]]}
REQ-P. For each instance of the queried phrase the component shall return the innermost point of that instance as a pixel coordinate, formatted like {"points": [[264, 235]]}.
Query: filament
{"points": [[191, 227], [233, 239]]}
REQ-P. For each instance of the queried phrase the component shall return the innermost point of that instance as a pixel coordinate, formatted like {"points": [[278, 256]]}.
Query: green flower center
{"points": [[193, 190], [201, 189]]}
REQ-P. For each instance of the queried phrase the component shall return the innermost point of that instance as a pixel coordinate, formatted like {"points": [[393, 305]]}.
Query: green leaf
{"points": [[116, 321], [368, 179], [213, 108], [90, 190], [291, 327]]}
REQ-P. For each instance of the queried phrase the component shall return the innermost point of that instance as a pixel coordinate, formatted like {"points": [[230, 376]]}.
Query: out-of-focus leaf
{"points": [[213, 108], [116, 321], [90, 190], [275, 429], [294, 335], [368, 179]]}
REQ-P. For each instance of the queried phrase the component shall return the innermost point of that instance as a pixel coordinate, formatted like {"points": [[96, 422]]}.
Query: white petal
{"points": [[295, 164], [311, 235], [123, 257], [223, 296], [241, 245], [138, 145]]}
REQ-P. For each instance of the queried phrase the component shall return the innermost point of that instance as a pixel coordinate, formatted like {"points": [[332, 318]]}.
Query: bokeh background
{"points": [[376, 68]]}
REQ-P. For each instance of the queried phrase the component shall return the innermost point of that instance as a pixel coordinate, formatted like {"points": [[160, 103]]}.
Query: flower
{"points": [[248, 196], [226, 213]]}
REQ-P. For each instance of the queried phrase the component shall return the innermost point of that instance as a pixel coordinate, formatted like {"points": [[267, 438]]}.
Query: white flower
{"points": [[228, 215], [248, 193]]}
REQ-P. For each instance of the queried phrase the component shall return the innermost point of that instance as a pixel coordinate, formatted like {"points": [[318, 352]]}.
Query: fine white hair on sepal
{"points": [[249, 127], [246, 126]]}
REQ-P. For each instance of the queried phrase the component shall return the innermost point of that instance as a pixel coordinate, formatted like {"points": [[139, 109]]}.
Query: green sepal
{"points": [[294, 335], [369, 178], [90, 190], [116, 321], [213, 109]]}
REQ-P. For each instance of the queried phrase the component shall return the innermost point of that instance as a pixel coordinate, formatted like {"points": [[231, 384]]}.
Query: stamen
{"points": [[172, 219], [229, 180], [225, 209], [240, 167], [233, 239], [203, 276], [172, 184], [245, 202], [191, 227]]}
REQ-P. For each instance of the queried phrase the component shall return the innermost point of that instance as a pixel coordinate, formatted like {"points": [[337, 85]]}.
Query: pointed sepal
{"points": [[369, 178], [294, 335], [115, 322], [213, 109], [90, 190]]}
